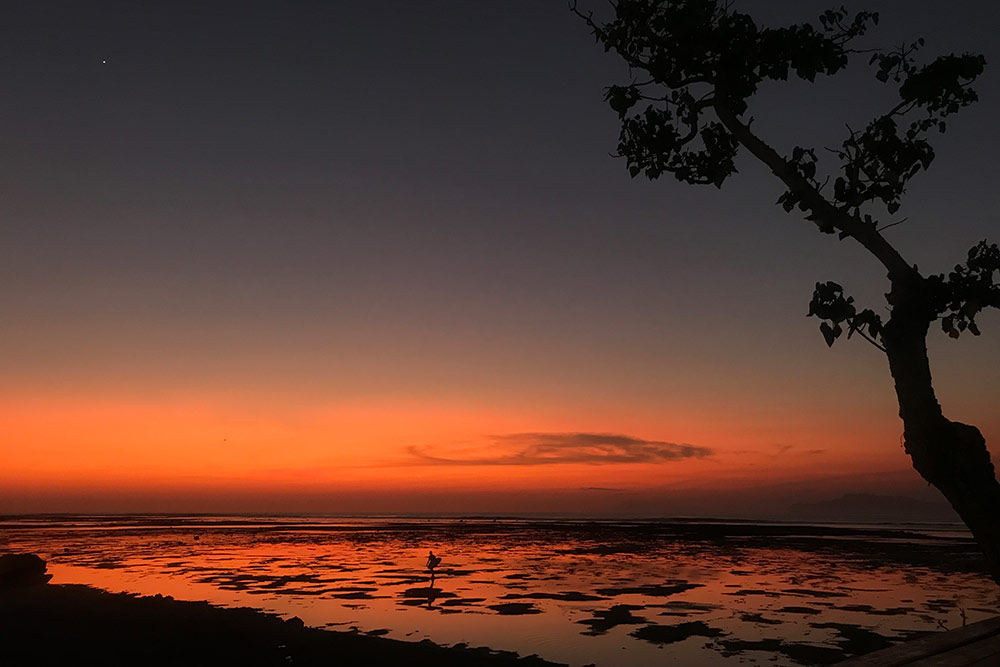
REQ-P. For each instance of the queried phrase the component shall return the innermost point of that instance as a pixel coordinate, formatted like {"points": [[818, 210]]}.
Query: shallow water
{"points": [[604, 593]]}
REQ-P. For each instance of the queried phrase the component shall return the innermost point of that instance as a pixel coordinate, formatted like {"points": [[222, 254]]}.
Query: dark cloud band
{"points": [[555, 448]]}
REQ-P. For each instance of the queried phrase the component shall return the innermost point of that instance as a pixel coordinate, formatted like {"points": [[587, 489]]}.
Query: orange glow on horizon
{"points": [[220, 447]]}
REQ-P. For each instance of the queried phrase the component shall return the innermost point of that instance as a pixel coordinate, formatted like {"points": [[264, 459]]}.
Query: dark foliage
{"points": [[698, 61], [696, 65]]}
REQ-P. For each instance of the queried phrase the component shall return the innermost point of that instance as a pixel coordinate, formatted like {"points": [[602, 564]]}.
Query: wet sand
{"points": [[72, 625]]}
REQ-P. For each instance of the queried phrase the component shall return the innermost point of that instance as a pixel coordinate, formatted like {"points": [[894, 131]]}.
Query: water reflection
{"points": [[604, 593]]}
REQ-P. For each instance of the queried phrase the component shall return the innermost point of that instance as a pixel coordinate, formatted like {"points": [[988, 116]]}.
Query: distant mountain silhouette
{"points": [[872, 507]]}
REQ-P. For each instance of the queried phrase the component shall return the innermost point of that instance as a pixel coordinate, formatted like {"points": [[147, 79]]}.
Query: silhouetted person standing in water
{"points": [[432, 562]]}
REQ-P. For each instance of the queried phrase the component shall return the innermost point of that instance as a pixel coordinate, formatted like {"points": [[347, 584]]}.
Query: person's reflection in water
{"points": [[432, 595]]}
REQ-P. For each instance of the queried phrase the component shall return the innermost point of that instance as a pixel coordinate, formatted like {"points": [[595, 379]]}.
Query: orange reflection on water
{"points": [[570, 592]]}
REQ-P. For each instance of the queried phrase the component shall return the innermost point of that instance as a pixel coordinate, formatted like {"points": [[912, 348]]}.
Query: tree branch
{"points": [[822, 212], [870, 340]]}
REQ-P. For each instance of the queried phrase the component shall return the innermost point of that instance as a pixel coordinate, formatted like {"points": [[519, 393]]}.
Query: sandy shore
{"points": [[69, 624]]}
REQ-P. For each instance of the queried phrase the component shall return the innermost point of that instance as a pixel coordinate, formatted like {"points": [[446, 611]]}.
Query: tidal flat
{"points": [[573, 592]]}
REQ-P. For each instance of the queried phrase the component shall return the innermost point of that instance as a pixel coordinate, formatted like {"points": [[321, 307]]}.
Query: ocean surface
{"points": [[580, 592]]}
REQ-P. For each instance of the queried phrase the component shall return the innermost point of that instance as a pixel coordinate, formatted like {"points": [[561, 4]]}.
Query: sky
{"points": [[377, 258]]}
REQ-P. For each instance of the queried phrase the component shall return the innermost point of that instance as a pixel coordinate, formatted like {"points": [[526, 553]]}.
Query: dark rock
{"points": [[21, 570]]}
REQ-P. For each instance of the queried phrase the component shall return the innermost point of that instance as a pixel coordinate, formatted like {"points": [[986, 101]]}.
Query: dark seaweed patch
{"points": [[427, 593], [868, 609], [803, 654], [570, 596], [798, 610], [462, 602], [657, 590], [671, 634], [604, 620], [755, 591], [757, 618], [814, 593], [515, 608], [855, 639], [686, 605]]}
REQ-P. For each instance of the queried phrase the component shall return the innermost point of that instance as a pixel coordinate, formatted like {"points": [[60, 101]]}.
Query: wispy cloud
{"points": [[532, 449], [788, 450]]}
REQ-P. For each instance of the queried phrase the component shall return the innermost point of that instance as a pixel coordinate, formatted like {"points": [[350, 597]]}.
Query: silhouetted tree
{"points": [[700, 62]]}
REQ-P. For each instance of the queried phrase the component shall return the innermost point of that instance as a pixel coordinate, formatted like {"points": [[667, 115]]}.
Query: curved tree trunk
{"points": [[950, 455]]}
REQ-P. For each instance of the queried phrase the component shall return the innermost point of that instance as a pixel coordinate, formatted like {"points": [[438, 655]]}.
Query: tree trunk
{"points": [[950, 455]]}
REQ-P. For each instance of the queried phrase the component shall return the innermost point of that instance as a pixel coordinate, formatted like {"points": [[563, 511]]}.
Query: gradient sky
{"points": [[375, 257]]}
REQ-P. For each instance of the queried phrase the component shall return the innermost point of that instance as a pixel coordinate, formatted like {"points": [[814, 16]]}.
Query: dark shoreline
{"points": [[75, 624]]}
